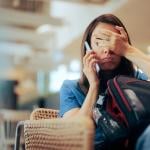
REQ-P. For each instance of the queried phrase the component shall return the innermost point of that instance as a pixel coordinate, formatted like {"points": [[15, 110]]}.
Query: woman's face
{"points": [[107, 59]]}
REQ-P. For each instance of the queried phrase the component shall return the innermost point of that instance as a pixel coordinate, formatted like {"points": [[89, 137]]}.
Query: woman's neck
{"points": [[108, 74], [104, 77]]}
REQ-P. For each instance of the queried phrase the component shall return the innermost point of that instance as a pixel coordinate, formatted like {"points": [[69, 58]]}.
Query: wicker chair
{"points": [[54, 133]]}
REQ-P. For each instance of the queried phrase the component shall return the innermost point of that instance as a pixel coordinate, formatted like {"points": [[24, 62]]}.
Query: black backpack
{"points": [[125, 112]]}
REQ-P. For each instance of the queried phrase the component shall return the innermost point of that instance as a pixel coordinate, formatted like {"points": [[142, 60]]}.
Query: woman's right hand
{"points": [[89, 69]]}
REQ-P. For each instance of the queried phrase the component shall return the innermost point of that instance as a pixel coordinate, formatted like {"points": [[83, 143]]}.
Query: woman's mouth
{"points": [[108, 59]]}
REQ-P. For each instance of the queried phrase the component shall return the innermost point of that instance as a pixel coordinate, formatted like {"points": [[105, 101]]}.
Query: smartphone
{"points": [[89, 49]]}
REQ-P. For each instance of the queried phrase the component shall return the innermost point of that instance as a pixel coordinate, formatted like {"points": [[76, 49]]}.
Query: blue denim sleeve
{"points": [[67, 98], [139, 74]]}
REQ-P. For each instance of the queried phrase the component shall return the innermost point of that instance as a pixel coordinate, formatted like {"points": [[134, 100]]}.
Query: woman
{"points": [[77, 97]]}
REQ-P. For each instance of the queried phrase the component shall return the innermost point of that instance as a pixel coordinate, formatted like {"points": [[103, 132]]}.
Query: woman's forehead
{"points": [[106, 26]]}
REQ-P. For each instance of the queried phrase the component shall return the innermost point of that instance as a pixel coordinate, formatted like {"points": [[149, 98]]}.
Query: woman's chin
{"points": [[108, 67]]}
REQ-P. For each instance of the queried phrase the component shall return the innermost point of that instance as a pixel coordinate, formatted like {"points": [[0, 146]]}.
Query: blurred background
{"points": [[40, 44]]}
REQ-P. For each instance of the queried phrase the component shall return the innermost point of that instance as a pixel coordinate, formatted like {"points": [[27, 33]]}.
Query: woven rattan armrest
{"points": [[60, 134], [43, 113]]}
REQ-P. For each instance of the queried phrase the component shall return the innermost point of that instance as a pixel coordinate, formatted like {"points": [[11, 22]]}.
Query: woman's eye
{"points": [[99, 38], [98, 43]]}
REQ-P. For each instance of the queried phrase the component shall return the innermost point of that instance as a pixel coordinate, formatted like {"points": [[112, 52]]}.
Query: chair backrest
{"points": [[42, 113], [8, 122], [59, 134]]}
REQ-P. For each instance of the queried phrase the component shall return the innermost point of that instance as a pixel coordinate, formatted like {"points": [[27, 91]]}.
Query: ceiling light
{"points": [[44, 28]]}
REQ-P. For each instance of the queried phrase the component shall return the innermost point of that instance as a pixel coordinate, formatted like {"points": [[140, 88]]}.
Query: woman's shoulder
{"points": [[69, 83], [72, 86], [139, 74]]}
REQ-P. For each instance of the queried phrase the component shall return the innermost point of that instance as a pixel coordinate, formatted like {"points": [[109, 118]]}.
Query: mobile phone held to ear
{"points": [[89, 49]]}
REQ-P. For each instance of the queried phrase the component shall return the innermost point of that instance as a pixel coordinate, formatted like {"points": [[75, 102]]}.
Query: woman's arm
{"points": [[138, 58], [86, 108], [89, 61]]}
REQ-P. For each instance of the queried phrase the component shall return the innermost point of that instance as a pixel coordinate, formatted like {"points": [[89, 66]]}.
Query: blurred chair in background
{"points": [[8, 121], [8, 97]]}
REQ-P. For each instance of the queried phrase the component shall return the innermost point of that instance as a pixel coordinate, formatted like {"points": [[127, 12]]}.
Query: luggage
{"points": [[125, 111]]}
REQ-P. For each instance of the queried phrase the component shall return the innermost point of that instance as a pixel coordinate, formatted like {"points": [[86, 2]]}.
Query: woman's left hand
{"points": [[118, 43]]}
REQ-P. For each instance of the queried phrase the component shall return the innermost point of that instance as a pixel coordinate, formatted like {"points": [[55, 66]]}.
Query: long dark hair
{"points": [[125, 67]]}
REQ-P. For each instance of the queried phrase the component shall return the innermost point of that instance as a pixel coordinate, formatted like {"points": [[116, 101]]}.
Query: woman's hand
{"points": [[89, 62], [118, 43]]}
